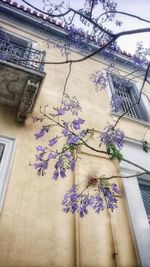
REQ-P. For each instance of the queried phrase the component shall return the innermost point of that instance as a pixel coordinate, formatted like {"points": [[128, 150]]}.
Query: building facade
{"points": [[34, 232]]}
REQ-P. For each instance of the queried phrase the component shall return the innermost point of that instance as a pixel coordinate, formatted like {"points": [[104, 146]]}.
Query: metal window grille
{"points": [[127, 104], [21, 54], [2, 146], [145, 192], [130, 98]]}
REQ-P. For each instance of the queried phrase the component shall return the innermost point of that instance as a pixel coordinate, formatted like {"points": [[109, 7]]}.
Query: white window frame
{"points": [[5, 165], [146, 182], [140, 227]]}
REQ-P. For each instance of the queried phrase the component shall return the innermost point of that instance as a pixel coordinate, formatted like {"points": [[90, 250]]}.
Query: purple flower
{"points": [[53, 141], [115, 188], [41, 166], [72, 139], [63, 173], [112, 136], [66, 131], [116, 103], [61, 111], [97, 203], [39, 134], [72, 166], [84, 203], [76, 123], [58, 163], [39, 157], [52, 155], [72, 104], [110, 198], [40, 148], [99, 79], [55, 175], [44, 130], [73, 188], [83, 133], [70, 200]]}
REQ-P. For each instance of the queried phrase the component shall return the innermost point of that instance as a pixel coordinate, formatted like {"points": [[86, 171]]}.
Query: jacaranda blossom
{"points": [[113, 136]]}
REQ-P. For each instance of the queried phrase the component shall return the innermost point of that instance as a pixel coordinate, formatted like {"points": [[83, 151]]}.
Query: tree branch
{"points": [[65, 85], [126, 14], [92, 6]]}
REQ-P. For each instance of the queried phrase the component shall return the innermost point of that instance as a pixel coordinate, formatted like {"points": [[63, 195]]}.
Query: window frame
{"points": [[140, 109], [138, 219], [5, 165], [144, 182], [28, 48]]}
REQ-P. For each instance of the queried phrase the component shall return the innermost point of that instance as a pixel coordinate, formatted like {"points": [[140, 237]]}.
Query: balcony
{"points": [[21, 76]]}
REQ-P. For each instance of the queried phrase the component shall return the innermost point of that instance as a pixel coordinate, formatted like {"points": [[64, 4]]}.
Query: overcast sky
{"points": [[138, 7]]}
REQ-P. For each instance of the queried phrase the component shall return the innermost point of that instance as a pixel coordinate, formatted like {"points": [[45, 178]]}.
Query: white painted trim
{"points": [[5, 165], [138, 219]]}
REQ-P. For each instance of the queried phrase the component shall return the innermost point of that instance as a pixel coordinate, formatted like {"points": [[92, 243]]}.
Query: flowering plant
{"points": [[72, 137]]}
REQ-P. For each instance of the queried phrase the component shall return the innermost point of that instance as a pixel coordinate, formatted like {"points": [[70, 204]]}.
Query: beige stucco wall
{"points": [[34, 232]]}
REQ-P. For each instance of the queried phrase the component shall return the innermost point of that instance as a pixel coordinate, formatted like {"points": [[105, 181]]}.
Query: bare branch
{"points": [[46, 13], [92, 6], [124, 13], [128, 176], [65, 85]]}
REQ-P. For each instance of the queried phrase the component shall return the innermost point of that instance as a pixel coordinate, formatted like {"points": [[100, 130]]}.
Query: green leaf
{"points": [[114, 153]]}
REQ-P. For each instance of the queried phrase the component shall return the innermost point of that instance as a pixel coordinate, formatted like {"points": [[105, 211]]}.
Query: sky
{"points": [[138, 7]]}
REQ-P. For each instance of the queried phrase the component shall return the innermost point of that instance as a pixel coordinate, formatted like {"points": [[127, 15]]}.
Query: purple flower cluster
{"points": [[42, 159], [66, 161], [110, 193], [116, 103], [112, 136], [77, 123], [74, 201], [141, 54], [66, 158], [42, 132], [72, 104], [41, 164], [99, 79], [76, 37], [68, 104]]}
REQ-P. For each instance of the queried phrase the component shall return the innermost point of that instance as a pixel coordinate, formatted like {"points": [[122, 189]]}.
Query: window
{"points": [[129, 93], [21, 51], [6, 154], [13, 47], [22, 47]]}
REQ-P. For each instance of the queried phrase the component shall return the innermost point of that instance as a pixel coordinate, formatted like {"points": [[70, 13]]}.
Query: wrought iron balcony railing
{"points": [[24, 56]]}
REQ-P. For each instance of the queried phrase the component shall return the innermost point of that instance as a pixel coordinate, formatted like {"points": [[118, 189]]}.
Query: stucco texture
{"points": [[34, 232]]}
